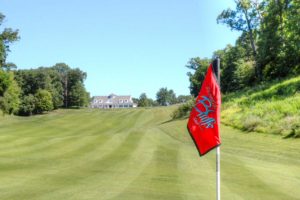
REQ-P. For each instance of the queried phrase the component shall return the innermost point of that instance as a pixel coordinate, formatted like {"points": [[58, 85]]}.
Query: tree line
{"points": [[267, 49], [164, 97], [34, 91]]}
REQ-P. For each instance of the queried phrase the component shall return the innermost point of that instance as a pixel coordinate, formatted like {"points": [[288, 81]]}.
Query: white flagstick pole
{"points": [[216, 66], [218, 173]]}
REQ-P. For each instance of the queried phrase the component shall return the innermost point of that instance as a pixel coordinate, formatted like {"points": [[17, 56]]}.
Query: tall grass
{"points": [[183, 110], [274, 108]]}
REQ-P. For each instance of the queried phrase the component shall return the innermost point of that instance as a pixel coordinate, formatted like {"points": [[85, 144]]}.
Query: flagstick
{"points": [[216, 66], [218, 173]]}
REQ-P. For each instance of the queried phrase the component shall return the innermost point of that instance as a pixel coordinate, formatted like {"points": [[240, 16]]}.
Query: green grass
{"points": [[137, 154], [271, 108]]}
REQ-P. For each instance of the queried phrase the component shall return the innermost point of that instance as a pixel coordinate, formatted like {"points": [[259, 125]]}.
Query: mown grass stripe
{"points": [[137, 154]]}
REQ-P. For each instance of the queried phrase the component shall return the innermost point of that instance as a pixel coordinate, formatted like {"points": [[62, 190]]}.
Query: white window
{"points": [[126, 100], [121, 101]]}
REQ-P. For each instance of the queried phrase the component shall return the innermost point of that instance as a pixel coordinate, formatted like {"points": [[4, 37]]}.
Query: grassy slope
{"points": [[137, 154], [272, 108]]}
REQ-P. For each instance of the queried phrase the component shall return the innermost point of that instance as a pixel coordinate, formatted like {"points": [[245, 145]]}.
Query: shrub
{"points": [[27, 105], [272, 108], [183, 110], [251, 123], [43, 101], [9, 93]]}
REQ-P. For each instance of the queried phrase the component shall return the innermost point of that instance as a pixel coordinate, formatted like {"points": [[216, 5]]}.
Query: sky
{"points": [[126, 47]]}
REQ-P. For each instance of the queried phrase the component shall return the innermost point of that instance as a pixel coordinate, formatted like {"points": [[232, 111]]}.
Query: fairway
{"points": [[135, 154]]}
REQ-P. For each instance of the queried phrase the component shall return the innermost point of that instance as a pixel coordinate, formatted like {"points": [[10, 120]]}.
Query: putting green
{"points": [[137, 154]]}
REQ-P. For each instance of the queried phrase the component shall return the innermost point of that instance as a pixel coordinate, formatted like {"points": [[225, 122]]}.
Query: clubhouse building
{"points": [[112, 101]]}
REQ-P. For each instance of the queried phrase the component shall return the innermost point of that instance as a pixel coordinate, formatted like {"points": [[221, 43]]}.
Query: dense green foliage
{"points": [[65, 87], [183, 110], [165, 97], [7, 37], [144, 101], [266, 52], [34, 91], [9, 93], [271, 108], [134, 154], [43, 101], [9, 90], [27, 106], [279, 39], [200, 67], [268, 48]]}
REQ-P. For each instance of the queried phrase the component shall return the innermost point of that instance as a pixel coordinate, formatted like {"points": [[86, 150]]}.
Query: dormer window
{"points": [[111, 96], [112, 101]]}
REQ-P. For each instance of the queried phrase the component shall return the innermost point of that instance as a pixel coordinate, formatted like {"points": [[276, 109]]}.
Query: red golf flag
{"points": [[204, 120]]}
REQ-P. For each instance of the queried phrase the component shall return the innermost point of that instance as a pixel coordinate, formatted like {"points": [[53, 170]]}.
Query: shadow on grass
{"points": [[292, 134], [174, 120]]}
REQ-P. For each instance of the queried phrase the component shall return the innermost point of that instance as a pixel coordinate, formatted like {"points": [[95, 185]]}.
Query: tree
{"points": [[143, 100], [64, 84], [292, 34], [69, 79], [165, 97], [278, 44], [135, 100], [9, 89], [43, 101], [56, 88], [27, 106], [42, 78], [152, 102], [184, 98], [63, 70], [196, 79], [7, 37], [78, 97], [246, 18], [9, 66], [5, 81], [172, 97], [9, 93]]}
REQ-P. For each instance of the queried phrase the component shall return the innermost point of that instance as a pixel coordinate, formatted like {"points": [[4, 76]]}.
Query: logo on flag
{"points": [[204, 121], [203, 107]]}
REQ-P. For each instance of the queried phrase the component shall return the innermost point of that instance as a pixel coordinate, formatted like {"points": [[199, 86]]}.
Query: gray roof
{"points": [[111, 99]]}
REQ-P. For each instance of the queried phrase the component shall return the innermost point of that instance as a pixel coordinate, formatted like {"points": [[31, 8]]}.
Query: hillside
{"points": [[270, 108], [137, 154]]}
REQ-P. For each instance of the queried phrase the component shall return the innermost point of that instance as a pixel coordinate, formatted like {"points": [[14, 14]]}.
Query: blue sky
{"points": [[125, 46]]}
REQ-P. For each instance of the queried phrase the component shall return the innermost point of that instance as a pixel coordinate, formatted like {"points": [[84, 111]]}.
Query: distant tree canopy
{"points": [[9, 93], [7, 37], [144, 101], [9, 89], [165, 97], [268, 48], [34, 91], [64, 85], [200, 67]]}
